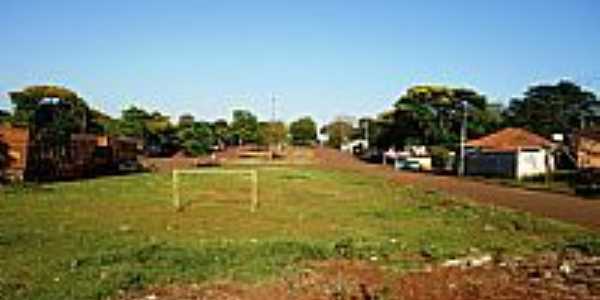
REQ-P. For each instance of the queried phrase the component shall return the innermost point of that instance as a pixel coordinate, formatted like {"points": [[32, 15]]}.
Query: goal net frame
{"points": [[176, 183]]}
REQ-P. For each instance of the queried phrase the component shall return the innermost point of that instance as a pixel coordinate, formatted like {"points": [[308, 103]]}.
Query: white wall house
{"points": [[353, 145], [534, 162], [512, 152]]}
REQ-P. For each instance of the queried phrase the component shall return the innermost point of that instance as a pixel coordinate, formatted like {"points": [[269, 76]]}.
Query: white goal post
{"points": [[252, 173]]}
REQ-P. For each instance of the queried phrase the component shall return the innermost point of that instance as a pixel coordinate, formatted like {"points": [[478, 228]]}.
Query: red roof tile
{"points": [[510, 139]]}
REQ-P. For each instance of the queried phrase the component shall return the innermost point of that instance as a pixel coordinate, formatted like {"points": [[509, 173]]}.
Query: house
{"points": [[82, 151], [14, 145], [113, 151], [587, 148], [95, 154], [355, 146], [511, 152], [88, 155]]}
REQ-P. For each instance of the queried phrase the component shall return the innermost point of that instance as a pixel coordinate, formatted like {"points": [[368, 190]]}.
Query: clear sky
{"points": [[322, 58]]}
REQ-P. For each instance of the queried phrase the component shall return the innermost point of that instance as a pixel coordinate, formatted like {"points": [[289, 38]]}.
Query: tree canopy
{"points": [[4, 116], [197, 138], [40, 107], [222, 132], [432, 115], [338, 132], [272, 133], [244, 127], [186, 120], [547, 109], [154, 128], [303, 131]]}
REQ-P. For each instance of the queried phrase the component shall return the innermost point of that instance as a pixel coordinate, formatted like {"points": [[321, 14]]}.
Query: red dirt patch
{"points": [[568, 275]]}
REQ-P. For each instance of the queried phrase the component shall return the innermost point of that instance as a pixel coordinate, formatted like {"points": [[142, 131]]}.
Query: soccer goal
{"points": [[176, 182]]}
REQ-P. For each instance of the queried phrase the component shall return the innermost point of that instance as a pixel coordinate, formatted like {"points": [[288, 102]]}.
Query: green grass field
{"points": [[93, 238]]}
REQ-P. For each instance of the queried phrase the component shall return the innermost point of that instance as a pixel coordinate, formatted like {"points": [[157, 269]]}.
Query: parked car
{"points": [[407, 164], [587, 182]]}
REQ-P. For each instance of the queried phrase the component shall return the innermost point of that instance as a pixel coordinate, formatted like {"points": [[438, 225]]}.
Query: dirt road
{"points": [[558, 206]]}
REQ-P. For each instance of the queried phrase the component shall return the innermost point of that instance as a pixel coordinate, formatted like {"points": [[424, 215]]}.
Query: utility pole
{"points": [[463, 140]]}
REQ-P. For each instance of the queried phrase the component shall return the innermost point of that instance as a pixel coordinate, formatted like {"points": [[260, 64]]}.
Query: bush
{"points": [[440, 156]]}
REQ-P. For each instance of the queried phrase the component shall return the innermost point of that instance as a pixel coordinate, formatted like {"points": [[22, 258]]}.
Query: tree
{"points": [[4, 116], [222, 133], [186, 120], [547, 109], [338, 132], [303, 131], [38, 104], [244, 127], [197, 139], [99, 122], [155, 129], [432, 115], [272, 133]]}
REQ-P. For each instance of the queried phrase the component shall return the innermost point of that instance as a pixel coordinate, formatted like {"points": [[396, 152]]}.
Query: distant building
{"points": [[355, 146], [511, 152], [89, 155], [587, 148], [14, 144]]}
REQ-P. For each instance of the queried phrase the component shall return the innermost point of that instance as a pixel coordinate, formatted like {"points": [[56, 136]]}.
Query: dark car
{"points": [[587, 182]]}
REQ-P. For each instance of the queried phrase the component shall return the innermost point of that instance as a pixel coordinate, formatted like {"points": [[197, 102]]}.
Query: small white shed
{"points": [[355, 145]]}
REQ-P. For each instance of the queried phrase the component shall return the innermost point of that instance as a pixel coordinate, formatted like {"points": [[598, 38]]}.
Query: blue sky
{"points": [[322, 58]]}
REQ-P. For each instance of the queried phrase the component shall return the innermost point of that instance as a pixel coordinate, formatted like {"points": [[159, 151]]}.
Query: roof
{"points": [[510, 139]]}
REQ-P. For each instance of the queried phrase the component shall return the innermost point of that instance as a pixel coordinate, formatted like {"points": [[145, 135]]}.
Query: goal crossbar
{"points": [[252, 173]]}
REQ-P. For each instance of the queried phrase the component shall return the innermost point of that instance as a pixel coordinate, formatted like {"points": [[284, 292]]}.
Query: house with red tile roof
{"points": [[510, 152]]}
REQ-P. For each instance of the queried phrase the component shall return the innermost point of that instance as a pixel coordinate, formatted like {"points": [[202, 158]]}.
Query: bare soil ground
{"points": [[230, 156], [563, 207], [567, 275]]}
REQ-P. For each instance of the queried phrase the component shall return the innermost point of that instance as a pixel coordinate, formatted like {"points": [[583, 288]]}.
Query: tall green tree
{"points": [[244, 127], [547, 109], [303, 131], [223, 133], [197, 139], [338, 133], [186, 120], [272, 133], [99, 122], [155, 129], [4, 116], [432, 115]]}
